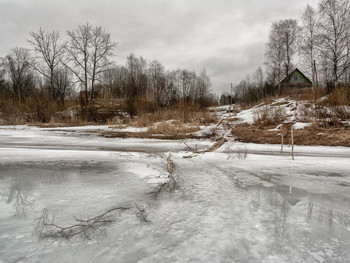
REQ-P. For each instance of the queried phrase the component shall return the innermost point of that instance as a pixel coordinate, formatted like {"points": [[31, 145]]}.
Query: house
{"points": [[296, 79]]}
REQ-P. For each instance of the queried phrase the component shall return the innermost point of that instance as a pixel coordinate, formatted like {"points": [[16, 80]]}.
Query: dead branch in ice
{"points": [[171, 183], [188, 156], [47, 228]]}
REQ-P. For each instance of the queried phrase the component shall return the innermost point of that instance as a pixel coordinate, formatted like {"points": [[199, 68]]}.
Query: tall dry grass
{"points": [[180, 114], [269, 116], [167, 128]]}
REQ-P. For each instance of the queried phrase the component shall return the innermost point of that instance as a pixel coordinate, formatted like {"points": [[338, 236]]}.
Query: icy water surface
{"points": [[211, 217]]}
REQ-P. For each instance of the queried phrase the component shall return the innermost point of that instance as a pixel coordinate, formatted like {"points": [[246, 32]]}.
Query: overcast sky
{"points": [[226, 37]]}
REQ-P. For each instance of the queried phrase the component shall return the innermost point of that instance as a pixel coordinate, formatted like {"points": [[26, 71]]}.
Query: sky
{"points": [[226, 37]]}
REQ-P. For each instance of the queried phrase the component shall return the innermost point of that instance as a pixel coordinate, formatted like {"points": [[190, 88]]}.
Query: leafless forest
{"points": [[318, 42], [54, 74]]}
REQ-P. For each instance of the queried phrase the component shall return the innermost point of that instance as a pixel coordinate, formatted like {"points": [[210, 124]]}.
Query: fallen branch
{"points": [[47, 228]]}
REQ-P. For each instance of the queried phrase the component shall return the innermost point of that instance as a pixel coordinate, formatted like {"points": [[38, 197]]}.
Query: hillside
{"points": [[269, 120]]}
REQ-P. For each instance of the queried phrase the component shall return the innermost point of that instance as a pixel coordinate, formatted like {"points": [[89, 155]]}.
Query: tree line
{"points": [[83, 65], [318, 43]]}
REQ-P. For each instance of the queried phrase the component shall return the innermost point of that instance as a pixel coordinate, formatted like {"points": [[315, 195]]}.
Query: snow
{"points": [[291, 109], [246, 116], [264, 208], [132, 129], [277, 128], [301, 125]]}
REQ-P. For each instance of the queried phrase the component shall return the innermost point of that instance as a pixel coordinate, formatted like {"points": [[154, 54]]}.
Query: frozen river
{"points": [[265, 208]]}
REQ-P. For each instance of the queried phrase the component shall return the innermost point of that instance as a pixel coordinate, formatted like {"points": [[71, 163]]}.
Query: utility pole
{"points": [[231, 97]]}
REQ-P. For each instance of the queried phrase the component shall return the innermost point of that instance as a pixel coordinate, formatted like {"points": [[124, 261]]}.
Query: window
{"points": [[295, 77]]}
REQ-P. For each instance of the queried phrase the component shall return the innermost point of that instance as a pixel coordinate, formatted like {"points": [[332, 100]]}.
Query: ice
{"points": [[264, 208]]}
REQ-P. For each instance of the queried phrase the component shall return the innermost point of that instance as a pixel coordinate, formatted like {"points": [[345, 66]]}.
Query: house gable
{"points": [[296, 78]]}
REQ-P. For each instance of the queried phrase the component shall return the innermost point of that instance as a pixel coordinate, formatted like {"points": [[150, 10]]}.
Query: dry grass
{"points": [[180, 116], [39, 110], [310, 136], [307, 94], [167, 128]]}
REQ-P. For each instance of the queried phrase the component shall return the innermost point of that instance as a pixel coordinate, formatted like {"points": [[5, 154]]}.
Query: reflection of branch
{"points": [[18, 194], [22, 205], [46, 228], [190, 148], [141, 214]]}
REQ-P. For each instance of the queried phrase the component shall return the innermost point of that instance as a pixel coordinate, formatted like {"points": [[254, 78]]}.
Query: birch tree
{"points": [[309, 39], [334, 38], [282, 46]]}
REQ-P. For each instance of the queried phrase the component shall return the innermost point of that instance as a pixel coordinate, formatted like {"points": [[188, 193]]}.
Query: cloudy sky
{"points": [[227, 37]]}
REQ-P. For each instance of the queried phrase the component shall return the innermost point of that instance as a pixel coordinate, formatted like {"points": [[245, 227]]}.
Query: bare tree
{"points": [[275, 53], [63, 83], [137, 76], [203, 87], [49, 52], [2, 76], [17, 65], [89, 50], [290, 34], [101, 50], [78, 55], [188, 84], [309, 39], [334, 44], [282, 47], [157, 81]]}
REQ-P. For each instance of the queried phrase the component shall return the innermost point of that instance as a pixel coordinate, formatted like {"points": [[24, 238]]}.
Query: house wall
{"points": [[298, 79]]}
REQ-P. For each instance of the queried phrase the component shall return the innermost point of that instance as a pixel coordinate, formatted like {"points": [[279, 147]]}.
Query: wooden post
{"points": [[169, 156], [196, 148], [281, 143], [292, 139]]}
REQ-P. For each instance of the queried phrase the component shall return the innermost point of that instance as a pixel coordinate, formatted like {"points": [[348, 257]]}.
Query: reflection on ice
{"points": [[20, 195], [302, 223]]}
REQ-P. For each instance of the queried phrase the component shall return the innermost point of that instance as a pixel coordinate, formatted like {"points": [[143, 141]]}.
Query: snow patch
{"points": [[301, 125]]}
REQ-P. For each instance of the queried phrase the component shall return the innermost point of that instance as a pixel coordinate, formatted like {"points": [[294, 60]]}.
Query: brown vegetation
{"points": [[331, 136]]}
